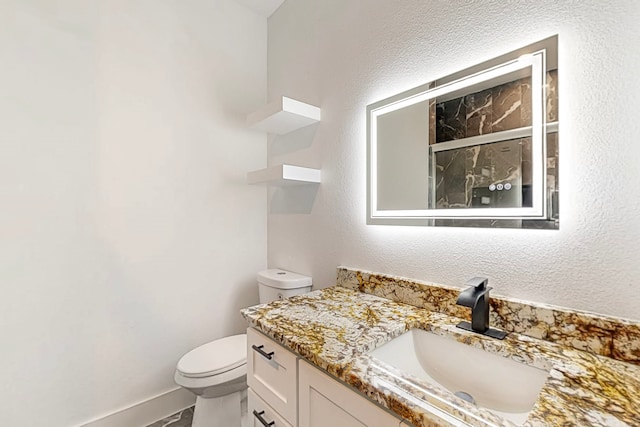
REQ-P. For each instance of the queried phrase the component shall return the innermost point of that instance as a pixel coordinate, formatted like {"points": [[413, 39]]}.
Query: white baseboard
{"points": [[146, 412]]}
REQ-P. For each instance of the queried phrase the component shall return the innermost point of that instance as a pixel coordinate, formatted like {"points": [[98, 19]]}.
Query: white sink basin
{"points": [[501, 385]]}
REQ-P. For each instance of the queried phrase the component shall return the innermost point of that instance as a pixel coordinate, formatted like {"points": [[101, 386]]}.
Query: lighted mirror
{"points": [[476, 148]]}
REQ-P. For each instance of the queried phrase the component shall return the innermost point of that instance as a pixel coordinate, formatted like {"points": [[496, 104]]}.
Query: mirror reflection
{"points": [[477, 148]]}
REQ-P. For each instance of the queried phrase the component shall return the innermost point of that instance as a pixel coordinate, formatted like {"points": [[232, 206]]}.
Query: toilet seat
{"points": [[214, 358], [234, 376]]}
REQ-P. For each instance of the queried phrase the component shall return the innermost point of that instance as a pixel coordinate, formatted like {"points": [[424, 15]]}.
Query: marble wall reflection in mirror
{"points": [[476, 148]]}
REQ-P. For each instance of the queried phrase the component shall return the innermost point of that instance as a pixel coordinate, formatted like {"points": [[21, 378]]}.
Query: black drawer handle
{"points": [[259, 349], [258, 415]]}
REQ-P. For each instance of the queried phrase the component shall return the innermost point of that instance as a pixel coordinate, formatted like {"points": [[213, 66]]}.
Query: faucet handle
{"points": [[480, 283]]}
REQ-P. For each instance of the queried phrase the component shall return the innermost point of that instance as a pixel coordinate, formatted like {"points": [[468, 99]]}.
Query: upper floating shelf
{"points": [[283, 116], [284, 175]]}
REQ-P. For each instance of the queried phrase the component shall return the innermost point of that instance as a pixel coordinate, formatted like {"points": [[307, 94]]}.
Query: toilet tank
{"points": [[276, 284]]}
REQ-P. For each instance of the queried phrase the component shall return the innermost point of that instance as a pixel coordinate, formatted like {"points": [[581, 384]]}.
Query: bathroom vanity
{"points": [[287, 391], [317, 360]]}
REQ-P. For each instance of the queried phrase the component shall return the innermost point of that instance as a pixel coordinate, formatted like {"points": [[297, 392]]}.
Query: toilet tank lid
{"points": [[282, 279], [215, 357]]}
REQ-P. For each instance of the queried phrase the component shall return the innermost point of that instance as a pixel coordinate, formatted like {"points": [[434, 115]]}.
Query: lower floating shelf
{"points": [[283, 175]]}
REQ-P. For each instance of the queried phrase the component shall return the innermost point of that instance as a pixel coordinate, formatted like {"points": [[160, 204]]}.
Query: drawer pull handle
{"points": [[259, 349], [258, 415]]}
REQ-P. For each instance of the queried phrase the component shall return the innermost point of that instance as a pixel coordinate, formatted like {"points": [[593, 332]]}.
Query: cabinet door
{"points": [[261, 414], [271, 373], [323, 402]]}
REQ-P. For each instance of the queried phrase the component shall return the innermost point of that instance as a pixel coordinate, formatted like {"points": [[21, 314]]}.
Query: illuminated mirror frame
{"points": [[533, 58]]}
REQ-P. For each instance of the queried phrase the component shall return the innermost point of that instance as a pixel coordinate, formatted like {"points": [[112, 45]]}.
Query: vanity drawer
{"points": [[272, 374], [260, 413]]}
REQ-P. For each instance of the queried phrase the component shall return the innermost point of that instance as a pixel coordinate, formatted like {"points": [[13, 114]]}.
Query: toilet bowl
{"points": [[216, 372], [216, 368]]}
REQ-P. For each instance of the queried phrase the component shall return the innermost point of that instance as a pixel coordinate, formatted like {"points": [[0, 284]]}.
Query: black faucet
{"points": [[477, 297]]}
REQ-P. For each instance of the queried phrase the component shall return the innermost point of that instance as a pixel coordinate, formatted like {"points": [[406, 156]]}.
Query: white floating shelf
{"points": [[283, 116], [283, 175]]}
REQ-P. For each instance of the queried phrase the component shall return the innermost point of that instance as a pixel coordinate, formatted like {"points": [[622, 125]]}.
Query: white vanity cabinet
{"points": [[286, 391], [261, 414], [272, 376], [324, 401]]}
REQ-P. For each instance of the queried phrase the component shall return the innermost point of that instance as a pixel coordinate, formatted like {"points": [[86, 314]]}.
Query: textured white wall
{"points": [[345, 54], [127, 233]]}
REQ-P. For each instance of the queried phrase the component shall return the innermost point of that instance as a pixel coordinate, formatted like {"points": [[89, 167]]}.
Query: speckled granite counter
{"points": [[335, 328]]}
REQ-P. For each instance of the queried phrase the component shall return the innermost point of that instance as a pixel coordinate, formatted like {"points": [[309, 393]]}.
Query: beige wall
{"points": [[127, 233], [345, 54]]}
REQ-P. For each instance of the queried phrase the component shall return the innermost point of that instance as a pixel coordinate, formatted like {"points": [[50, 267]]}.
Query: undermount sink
{"points": [[503, 386]]}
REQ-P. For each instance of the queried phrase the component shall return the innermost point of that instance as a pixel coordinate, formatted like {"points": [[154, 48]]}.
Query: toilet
{"points": [[216, 372]]}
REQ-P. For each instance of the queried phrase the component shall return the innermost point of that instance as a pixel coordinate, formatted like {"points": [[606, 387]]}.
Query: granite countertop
{"points": [[336, 328]]}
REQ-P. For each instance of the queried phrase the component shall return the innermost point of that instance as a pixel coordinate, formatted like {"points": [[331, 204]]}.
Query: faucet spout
{"points": [[471, 297], [477, 298]]}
